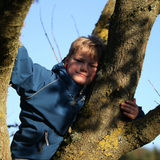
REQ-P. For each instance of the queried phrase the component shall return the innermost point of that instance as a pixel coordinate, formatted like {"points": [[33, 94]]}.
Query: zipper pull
{"points": [[82, 90], [46, 137], [69, 130]]}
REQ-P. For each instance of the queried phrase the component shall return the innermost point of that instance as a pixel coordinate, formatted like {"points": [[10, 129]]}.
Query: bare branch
{"points": [[47, 36], [53, 34], [12, 125], [156, 102], [75, 25], [154, 88]]}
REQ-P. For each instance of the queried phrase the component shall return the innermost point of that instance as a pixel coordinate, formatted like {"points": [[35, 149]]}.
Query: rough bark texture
{"points": [[101, 131], [12, 15]]}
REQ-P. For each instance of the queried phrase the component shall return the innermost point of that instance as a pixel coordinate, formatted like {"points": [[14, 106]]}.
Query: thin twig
{"points": [[154, 88], [53, 34], [156, 102], [47, 36], [12, 125], [75, 25]]}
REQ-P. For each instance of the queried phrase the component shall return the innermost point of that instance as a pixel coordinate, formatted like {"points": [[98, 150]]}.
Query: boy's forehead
{"points": [[87, 52]]}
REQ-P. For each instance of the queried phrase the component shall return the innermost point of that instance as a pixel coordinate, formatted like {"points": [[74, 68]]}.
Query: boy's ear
{"points": [[66, 60]]}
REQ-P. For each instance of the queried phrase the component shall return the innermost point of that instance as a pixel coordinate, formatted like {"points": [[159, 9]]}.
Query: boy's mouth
{"points": [[82, 75]]}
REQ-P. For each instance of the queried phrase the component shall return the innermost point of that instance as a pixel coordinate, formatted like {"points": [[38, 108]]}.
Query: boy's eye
{"points": [[93, 66], [78, 60]]}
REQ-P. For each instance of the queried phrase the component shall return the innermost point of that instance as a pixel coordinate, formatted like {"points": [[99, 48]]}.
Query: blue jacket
{"points": [[46, 107]]}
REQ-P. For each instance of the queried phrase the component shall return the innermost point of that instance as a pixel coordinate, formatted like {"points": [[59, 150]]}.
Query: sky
{"points": [[85, 14]]}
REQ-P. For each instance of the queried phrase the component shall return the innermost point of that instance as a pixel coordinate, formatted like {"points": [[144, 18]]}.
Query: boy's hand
{"points": [[130, 109]]}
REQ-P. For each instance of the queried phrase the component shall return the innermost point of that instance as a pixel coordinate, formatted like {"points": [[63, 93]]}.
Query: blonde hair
{"points": [[93, 43]]}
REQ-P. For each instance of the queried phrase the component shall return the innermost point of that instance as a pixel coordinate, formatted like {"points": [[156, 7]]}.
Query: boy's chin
{"points": [[82, 83]]}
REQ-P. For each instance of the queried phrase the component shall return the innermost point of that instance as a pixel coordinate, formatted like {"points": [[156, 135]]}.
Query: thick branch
{"points": [[149, 127], [12, 15]]}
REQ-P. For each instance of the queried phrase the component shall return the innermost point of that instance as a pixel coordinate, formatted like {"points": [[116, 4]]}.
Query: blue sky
{"points": [[86, 13]]}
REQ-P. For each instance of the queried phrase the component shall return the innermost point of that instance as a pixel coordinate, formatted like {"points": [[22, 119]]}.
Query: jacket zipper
{"points": [[45, 140], [74, 109], [46, 137]]}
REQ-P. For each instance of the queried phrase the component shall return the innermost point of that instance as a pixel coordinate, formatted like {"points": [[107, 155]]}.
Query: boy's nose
{"points": [[84, 67]]}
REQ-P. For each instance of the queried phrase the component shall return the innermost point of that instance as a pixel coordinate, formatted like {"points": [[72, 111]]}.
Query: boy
{"points": [[51, 100]]}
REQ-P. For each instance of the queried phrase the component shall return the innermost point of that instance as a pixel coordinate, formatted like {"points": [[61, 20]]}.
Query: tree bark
{"points": [[101, 131], [12, 15], [102, 26]]}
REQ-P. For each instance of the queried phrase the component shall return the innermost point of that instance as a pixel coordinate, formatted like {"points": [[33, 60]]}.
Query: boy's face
{"points": [[81, 68]]}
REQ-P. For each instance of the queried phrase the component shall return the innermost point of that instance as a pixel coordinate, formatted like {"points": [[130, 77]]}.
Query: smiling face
{"points": [[81, 67]]}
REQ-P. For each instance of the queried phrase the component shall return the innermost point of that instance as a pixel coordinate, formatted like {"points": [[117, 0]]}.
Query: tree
{"points": [[100, 131]]}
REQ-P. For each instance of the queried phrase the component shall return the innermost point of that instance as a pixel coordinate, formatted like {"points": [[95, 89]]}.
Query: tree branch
{"points": [[54, 36], [47, 36], [12, 15]]}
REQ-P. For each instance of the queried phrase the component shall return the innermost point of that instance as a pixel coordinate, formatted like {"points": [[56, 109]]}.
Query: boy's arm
{"points": [[131, 110], [22, 68], [27, 76]]}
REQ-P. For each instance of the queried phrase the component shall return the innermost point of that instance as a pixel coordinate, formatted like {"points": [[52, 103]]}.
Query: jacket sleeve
{"points": [[26, 76], [140, 114]]}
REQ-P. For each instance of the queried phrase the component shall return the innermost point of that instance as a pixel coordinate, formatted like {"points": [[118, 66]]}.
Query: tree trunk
{"points": [[12, 15], [101, 131]]}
